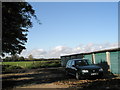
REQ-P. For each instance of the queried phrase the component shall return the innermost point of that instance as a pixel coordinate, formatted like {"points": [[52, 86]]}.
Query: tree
{"points": [[16, 19], [21, 58], [15, 57], [7, 59], [30, 57]]}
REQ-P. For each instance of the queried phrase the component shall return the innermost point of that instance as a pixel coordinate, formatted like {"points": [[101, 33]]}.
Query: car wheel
{"points": [[77, 76]]}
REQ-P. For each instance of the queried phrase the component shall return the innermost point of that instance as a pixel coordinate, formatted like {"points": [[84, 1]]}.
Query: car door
{"points": [[68, 66], [73, 68]]}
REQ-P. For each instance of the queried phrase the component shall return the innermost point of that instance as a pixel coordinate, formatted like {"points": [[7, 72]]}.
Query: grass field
{"points": [[21, 64], [26, 64]]}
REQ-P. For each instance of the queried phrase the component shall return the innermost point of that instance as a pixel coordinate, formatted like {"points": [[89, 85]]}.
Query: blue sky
{"points": [[71, 25]]}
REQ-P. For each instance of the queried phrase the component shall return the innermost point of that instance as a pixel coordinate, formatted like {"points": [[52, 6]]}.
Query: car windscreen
{"points": [[82, 62]]}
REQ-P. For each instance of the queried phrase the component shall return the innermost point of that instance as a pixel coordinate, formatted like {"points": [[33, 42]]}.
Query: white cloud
{"points": [[57, 51], [37, 53]]}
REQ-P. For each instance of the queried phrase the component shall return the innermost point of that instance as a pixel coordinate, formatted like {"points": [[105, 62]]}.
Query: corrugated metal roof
{"points": [[105, 50]]}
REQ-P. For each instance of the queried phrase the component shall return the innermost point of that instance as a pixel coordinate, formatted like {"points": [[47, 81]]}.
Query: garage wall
{"points": [[108, 60], [100, 57], [73, 57], [114, 62], [80, 56], [89, 56], [63, 60]]}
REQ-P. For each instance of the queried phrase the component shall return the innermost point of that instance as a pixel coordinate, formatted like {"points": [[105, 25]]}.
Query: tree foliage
{"points": [[21, 58], [14, 58], [30, 57], [16, 19]]}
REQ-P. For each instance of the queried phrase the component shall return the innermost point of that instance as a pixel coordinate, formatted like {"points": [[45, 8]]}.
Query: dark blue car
{"points": [[82, 68]]}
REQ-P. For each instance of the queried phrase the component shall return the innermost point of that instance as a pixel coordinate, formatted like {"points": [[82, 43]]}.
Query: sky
{"points": [[72, 27]]}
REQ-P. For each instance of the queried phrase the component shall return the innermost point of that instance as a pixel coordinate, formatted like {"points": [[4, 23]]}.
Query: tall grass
{"points": [[23, 64], [45, 64], [33, 64]]}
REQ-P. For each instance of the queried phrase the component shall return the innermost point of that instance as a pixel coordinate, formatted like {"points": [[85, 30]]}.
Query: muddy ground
{"points": [[56, 78]]}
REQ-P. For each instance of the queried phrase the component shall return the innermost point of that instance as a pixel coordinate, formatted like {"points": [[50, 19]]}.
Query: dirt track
{"points": [[55, 78]]}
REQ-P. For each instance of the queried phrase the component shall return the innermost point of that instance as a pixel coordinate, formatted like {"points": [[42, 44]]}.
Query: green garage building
{"points": [[108, 59]]}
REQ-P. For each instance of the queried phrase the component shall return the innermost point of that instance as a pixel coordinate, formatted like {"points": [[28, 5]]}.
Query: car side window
{"points": [[81, 63], [72, 63], [68, 63]]}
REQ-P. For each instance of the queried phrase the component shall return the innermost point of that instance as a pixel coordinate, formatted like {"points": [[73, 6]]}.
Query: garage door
{"points": [[89, 56], [114, 62], [100, 58]]}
